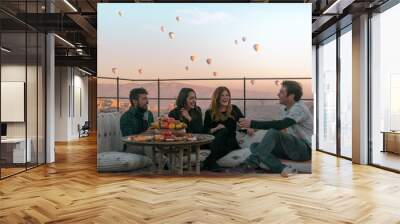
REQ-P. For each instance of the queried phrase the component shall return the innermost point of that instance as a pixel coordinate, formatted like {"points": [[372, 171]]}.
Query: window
{"points": [[327, 96], [385, 85], [346, 94]]}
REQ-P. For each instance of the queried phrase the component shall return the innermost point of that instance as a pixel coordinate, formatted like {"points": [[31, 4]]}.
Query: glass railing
{"points": [[256, 97]]}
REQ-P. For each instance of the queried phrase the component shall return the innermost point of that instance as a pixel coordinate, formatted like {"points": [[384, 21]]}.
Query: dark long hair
{"points": [[182, 97], [181, 102]]}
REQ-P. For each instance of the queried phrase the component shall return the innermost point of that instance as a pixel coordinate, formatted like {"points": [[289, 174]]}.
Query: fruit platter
{"points": [[168, 123], [168, 126], [166, 136]]}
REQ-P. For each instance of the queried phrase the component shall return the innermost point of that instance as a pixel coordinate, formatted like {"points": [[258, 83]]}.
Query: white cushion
{"points": [[108, 132], [121, 161], [245, 140], [238, 156], [234, 158]]}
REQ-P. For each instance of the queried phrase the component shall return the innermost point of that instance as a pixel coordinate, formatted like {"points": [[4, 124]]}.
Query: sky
{"points": [[130, 38]]}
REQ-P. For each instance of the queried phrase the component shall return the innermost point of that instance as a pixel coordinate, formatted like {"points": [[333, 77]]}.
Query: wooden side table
{"points": [[391, 141]]}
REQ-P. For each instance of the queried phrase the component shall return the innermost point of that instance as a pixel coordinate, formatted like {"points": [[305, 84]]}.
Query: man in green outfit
{"points": [[137, 119]]}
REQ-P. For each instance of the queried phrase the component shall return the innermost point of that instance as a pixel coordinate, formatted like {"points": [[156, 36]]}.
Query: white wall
{"points": [[33, 127], [12, 73], [70, 84]]}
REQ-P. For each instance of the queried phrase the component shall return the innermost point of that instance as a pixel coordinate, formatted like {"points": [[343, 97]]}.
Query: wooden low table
{"points": [[174, 149]]}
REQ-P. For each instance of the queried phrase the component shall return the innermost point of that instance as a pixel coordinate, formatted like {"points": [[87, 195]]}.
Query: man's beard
{"points": [[141, 109]]}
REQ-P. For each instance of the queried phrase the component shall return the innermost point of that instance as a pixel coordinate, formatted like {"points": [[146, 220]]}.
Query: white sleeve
{"points": [[297, 113]]}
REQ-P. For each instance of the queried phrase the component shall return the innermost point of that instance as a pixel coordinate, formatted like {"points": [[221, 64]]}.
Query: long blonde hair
{"points": [[215, 105]]}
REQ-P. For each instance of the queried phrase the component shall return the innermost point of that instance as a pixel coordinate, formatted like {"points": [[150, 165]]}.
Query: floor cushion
{"points": [[238, 156], [234, 158], [121, 161]]}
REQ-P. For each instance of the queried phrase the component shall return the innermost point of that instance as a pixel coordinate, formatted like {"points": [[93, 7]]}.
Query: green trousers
{"points": [[277, 145]]}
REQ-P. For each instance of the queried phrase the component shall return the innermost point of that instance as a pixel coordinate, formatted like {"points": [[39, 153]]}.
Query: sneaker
{"points": [[288, 171]]}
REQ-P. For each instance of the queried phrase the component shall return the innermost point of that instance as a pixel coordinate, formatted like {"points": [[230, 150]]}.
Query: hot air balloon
{"points": [[162, 28], [244, 39], [257, 47], [178, 18], [252, 82], [171, 35], [215, 73], [193, 58], [209, 60], [114, 70], [187, 68], [120, 13], [140, 71], [236, 42]]}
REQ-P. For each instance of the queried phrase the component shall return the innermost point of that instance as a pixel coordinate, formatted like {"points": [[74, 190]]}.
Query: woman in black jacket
{"points": [[221, 121], [187, 111]]}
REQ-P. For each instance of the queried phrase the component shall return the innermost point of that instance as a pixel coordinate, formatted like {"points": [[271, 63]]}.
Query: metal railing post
{"points": [[158, 97], [118, 93], [244, 96]]}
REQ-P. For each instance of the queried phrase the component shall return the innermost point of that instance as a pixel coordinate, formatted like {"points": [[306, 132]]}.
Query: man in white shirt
{"points": [[288, 138]]}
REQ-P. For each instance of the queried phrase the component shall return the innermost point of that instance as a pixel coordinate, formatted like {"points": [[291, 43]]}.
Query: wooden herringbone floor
{"points": [[71, 191]]}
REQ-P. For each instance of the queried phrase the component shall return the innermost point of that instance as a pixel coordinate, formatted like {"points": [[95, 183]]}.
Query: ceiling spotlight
{"points": [[337, 7], [5, 50], [65, 41], [84, 71], [70, 5]]}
